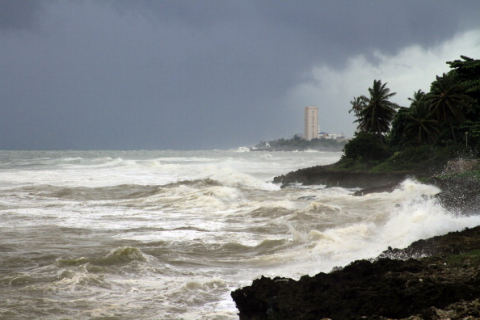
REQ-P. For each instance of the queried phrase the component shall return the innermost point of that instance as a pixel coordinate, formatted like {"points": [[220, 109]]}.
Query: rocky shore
{"points": [[458, 194], [443, 285], [437, 278], [345, 179]]}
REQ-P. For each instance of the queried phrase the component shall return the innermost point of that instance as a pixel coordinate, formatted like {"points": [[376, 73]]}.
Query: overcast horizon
{"points": [[190, 75]]}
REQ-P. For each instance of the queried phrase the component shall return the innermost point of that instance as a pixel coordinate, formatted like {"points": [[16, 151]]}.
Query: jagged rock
{"points": [[442, 284], [385, 188], [321, 175], [459, 194]]}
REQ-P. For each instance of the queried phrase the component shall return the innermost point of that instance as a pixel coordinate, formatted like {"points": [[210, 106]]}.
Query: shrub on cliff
{"points": [[424, 160], [364, 151], [420, 158]]}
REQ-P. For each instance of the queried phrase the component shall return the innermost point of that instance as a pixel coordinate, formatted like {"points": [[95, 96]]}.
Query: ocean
{"points": [[169, 234]]}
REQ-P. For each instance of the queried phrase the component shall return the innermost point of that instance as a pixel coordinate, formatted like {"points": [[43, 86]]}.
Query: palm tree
{"points": [[418, 97], [357, 105], [448, 101], [377, 111], [419, 121]]}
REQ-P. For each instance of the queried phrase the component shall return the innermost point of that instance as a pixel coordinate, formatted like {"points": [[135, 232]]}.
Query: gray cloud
{"points": [[187, 74], [16, 14]]}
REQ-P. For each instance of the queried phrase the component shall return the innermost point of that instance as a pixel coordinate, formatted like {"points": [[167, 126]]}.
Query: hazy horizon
{"points": [[198, 75]]}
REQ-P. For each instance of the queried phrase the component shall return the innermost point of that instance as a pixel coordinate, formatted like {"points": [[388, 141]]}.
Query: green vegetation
{"points": [[426, 159], [375, 113], [459, 260], [300, 144], [472, 173], [363, 152], [438, 126]]}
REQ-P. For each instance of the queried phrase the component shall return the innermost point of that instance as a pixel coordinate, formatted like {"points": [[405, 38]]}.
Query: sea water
{"points": [[169, 234]]}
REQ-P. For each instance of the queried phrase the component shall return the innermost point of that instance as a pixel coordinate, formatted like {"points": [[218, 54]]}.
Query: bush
{"points": [[363, 152], [367, 147], [426, 159]]}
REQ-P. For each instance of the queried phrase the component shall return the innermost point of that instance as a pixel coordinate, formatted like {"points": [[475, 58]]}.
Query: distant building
{"points": [[333, 136], [311, 123]]}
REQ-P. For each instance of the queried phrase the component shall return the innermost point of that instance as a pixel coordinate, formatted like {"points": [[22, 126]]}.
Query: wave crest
{"points": [[120, 256]]}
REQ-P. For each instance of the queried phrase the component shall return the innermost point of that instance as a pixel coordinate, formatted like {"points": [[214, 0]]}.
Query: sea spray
{"points": [[168, 234]]}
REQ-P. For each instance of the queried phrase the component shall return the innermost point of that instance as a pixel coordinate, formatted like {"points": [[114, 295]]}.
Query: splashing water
{"points": [[168, 234]]}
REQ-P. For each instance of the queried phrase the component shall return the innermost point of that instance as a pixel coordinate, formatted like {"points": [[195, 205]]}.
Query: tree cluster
{"points": [[447, 115], [297, 143]]}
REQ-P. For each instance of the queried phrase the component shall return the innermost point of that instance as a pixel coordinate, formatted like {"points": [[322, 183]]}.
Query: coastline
{"points": [[445, 284], [458, 194], [324, 175], [435, 278]]}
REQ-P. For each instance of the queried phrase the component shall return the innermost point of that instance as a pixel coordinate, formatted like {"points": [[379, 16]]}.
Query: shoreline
{"points": [[459, 194], [435, 278], [444, 284], [323, 175]]}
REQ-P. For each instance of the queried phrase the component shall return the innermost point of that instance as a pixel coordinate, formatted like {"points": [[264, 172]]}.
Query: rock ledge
{"points": [[445, 283]]}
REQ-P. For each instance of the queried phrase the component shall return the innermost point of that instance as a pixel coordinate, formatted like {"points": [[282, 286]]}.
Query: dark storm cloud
{"points": [[18, 14], [187, 74], [319, 30]]}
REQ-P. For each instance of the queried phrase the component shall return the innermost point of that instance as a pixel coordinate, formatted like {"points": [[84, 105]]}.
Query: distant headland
{"points": [[297, 143], [440, 127]]}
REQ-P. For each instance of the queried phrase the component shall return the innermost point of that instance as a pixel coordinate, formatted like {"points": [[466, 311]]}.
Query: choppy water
{"points": [[168, 234]]}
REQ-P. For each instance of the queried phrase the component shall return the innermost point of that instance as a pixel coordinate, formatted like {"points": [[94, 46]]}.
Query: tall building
{"points": [[311, 123]]}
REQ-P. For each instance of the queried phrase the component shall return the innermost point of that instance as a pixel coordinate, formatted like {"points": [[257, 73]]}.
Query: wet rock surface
{"points": [[459, 194], [444, 285], [322, 175], [436, 278]]}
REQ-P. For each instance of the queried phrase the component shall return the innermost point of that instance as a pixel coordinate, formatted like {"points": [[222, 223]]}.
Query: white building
{"points": [[333, 136], [311, 123]]}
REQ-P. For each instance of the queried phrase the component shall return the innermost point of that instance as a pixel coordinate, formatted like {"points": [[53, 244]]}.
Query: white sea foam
{"points": [[413, 214], [243, 149], [102, 233]]}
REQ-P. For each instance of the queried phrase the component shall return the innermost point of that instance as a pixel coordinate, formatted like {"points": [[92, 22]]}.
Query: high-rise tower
{"points": [[311, 123]]}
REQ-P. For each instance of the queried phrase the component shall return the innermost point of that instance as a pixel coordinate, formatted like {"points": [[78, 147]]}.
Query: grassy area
{"points": [[471, 257], [470, 174], [426, 160]]}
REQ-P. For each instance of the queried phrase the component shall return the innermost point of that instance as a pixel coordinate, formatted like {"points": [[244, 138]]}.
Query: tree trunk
{"points": [[453, 133]]}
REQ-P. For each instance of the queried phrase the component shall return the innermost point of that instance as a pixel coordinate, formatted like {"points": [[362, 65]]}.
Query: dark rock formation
{"points": [[385, 188], [436, 278], [452, 243], [346, 179], [459, 194], [446, 283]]}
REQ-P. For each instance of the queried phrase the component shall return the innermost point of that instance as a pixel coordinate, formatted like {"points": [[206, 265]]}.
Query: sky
{"points": [[204, 74]]}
